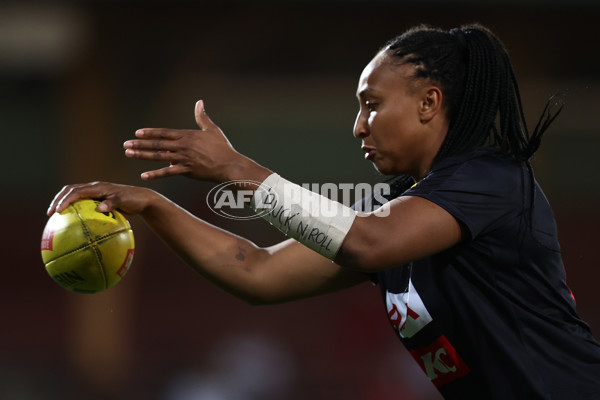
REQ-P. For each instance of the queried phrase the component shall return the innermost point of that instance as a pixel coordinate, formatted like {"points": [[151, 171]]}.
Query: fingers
{"points": [[155, 139], [112, 196], [158, 133], [194, 153], [57, 199], [198, 113], [164, 149], [71, 193], [171, 170], [202, 119], [159, 144], [165, 156]]}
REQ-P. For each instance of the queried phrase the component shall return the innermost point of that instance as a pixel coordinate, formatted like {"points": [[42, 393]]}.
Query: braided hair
{"points": [[482, 99]]}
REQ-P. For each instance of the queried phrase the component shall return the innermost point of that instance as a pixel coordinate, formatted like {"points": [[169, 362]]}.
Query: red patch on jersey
{"points": [[440, 362]]}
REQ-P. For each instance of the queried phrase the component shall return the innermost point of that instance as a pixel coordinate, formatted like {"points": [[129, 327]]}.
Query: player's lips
{"points": [[369, 152]]}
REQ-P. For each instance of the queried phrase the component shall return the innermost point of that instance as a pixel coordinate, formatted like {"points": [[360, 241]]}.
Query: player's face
{"points": [[388, 120]]}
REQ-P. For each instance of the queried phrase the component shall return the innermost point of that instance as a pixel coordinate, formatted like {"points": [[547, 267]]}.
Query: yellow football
{"points": [[87, 251]]}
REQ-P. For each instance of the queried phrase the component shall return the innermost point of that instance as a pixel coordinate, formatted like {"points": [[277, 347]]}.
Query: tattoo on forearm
{"points": [[240, 255]]}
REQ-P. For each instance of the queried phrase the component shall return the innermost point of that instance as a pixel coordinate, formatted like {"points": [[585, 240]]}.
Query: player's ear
{"points": [[430, 104]]}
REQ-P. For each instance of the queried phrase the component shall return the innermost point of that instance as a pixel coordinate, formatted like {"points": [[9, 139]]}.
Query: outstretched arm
{"points": [[414, 228], [284, 272]]}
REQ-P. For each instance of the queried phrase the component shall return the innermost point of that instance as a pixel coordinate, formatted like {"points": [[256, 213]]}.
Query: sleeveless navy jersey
{"points": [[493, 318]]}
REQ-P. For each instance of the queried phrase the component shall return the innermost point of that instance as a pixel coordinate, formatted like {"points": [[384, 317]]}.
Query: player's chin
{"points": [[383, 168]]}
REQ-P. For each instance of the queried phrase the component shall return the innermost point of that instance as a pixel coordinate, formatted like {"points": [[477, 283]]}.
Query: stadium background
{"points": [[77, 79]]}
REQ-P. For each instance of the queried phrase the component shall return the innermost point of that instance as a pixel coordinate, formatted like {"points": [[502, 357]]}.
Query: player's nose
{"points": [[361, 128]]}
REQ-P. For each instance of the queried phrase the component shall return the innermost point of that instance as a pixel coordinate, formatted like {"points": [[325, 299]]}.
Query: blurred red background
{"points": [[77, 79]]}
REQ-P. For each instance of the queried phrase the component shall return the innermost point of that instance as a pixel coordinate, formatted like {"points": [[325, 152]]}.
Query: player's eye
{"points": [[371, 106]]}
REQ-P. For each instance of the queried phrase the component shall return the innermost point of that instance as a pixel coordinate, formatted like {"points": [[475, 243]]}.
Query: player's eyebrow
{"points": [[366, 92]]}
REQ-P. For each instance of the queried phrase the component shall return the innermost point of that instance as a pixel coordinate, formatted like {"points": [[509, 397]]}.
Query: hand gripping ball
{"points": [[87, 251]]}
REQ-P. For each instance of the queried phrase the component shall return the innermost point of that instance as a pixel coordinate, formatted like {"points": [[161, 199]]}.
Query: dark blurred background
{"points": [[78, 78]]}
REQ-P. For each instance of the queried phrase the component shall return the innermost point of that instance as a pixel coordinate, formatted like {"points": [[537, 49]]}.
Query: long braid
{"points": [[474, 116]]}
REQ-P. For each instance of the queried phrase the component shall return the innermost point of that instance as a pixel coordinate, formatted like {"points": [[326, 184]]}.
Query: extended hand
{"points": [[129, 199], [200, 154]]}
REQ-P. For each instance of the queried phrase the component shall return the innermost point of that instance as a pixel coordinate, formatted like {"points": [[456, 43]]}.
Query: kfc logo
{"points": [[440, 362]]}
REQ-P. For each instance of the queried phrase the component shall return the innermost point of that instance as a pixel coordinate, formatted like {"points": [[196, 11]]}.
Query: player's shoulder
{"points": [[477, 170], [479, 157], [481, 163]]}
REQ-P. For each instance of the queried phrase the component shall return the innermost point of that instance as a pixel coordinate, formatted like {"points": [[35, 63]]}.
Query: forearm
{"points": [[284, 272], [227, 260], [419, 228]]}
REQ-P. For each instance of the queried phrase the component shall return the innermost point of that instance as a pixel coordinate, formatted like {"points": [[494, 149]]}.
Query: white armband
{"points": [[315, 221]]}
